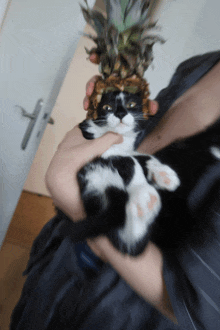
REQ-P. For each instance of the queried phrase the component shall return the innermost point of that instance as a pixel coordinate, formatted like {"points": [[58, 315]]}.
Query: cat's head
{"points": [[120, 112]]}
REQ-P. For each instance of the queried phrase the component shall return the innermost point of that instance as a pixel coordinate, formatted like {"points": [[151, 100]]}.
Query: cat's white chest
{"points": [[123, 149]]}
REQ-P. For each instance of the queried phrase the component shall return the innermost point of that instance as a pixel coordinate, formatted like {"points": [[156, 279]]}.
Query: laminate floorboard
{"points": [[32, 213]]}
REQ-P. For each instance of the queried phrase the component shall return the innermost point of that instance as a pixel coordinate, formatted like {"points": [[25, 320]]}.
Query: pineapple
{"points": [[124, 43]]}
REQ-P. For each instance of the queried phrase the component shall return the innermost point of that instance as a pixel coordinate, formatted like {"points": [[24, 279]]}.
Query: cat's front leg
{"points": [[91, 130]]}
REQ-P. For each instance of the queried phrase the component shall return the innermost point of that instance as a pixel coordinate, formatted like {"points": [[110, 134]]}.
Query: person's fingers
{"points": [[153, 107], [89, 90], [111, 138], [103, 143], [94, 58], [86, 150], [91, 81], [86, 103]]}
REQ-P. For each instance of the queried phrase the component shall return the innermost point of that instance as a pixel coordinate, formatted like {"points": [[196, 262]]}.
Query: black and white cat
{"points": [[120, 189], [131, 197]]}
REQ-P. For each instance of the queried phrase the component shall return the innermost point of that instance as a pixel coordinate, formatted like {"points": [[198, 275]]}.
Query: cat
{"points": [[133, 198], [120, 189]]}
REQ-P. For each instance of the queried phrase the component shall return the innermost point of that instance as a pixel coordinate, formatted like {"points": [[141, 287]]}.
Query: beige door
{"points": [[37, 41]]}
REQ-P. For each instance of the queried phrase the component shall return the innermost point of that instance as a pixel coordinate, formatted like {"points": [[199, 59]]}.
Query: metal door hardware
{"points": [[33, 118], [50, 121], [25, 113]]}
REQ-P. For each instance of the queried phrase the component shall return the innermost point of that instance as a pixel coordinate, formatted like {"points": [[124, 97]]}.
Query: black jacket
{"points": [[68, 287]]}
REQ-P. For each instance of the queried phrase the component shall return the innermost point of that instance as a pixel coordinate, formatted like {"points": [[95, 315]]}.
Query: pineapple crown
{"points": [[124, 41], [133, 84]]}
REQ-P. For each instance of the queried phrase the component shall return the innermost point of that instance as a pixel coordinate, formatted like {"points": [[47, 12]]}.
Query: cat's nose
{"points": [[121, 112]]}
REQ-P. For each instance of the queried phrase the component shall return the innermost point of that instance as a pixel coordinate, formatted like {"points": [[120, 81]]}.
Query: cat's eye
{"points": [[107, 107], [131, 105]]}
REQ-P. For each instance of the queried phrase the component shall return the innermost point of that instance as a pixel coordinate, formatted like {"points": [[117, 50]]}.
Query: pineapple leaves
{"points": [[126, 13], [135, 12], [94, 18], [124, 40], [115, 13]]}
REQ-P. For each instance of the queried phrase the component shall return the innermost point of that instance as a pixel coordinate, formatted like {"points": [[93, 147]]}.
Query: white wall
{"points": [[190, 27]]}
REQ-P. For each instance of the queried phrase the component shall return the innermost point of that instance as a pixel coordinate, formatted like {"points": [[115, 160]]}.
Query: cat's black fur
{"points": [[189, 213], [177, 222]]}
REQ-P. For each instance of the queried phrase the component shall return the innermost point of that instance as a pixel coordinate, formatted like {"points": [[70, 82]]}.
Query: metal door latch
{"points": [[50, 121], [33, 118], [25, 113]]}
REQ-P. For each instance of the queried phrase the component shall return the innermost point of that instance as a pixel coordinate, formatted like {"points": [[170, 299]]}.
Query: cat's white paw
{"points": [[166, 178], [162, 175], [143, 206]]}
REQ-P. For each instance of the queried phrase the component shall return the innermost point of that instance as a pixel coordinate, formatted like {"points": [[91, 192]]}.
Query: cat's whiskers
{"points": [[99, 121], [138, 116], [140, 119]]}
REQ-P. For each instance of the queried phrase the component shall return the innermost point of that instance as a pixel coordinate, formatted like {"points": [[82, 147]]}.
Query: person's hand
{"points": [[72, 153], [89, 90], [94, 58]]}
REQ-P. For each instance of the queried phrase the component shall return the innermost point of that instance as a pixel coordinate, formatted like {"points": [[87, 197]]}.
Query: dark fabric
{"points": [[61, 292], [68, 287], [192, 275]]}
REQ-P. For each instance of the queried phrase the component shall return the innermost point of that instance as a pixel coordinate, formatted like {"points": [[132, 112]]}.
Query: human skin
{"points": [[191, 113]]}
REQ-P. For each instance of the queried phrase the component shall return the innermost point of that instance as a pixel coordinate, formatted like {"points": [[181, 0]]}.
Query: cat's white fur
{"points": [[100, 178], [125, 127]]}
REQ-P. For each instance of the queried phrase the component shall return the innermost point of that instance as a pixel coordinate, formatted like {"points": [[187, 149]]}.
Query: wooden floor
{"points": [[31, 214]]}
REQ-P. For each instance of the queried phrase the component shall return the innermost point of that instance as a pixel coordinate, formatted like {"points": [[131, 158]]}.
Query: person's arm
{"points": [[195, 110], [143, 273]]}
